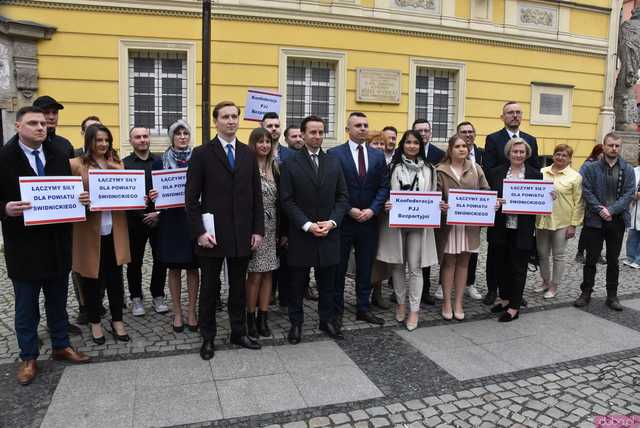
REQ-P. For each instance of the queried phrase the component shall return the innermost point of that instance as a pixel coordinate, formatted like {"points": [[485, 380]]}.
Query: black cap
{"points": [[45, 102]]}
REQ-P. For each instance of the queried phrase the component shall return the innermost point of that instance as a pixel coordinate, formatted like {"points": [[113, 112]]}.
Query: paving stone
{"points": [[396, 418], [411, 416], [299, 424], [358, 415], [339, 418], [447, 408], [319, 421], [415, 404], [429, 411], [377, 411], [396, 408], [544, 420]]}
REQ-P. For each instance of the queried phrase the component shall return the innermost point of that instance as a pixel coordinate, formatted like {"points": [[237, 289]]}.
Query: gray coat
{"points": [[593, 192]]}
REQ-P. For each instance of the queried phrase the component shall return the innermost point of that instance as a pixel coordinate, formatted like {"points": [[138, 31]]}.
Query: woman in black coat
{"points": [[512, 239]]}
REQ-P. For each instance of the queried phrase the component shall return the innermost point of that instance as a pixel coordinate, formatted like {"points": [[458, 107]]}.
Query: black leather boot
{"points": [[263, 324], [252, 331]]}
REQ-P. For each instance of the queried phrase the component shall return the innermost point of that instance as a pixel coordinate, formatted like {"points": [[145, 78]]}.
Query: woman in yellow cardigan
{"points": [[101, 243]]}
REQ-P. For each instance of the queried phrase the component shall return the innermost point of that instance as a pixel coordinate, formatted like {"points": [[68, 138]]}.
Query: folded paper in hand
{"points": [[209, 224]]}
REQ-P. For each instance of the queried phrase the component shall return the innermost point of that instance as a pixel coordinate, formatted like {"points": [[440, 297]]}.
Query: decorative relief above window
{"points": [[424, 6], [536, 16]]}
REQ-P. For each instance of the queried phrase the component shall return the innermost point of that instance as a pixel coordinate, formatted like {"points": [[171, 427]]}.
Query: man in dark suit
{"points": [[365, 172], [223, 179], [271, 122], [314, 196], [37, 257], [494, 156], [494, 145], [434, 156]]}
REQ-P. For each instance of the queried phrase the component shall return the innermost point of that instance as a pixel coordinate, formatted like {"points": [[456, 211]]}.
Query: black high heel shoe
{"points": [[192, 328], [119, 337], [97, 340]]}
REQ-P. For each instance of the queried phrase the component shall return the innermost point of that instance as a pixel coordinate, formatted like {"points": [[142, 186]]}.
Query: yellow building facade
{"points": [[447, 60]]}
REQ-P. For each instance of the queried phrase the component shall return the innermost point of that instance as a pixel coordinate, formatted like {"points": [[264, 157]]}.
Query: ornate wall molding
{"points": [[431, 7], [534, 15]]}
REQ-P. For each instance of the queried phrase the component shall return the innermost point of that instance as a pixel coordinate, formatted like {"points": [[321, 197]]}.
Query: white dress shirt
{"points": [[354, 153], [308, 224], [224, 143], [106, 223], [513, 135], [31, 157], [472, 153]]}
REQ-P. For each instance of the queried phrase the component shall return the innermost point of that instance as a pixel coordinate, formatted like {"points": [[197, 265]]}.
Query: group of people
{"points": [[269, 213]]}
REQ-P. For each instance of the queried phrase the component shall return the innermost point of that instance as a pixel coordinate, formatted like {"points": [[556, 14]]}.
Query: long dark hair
{"points": [[89, 144], [397, 155], [254, 138], [595, 152]]}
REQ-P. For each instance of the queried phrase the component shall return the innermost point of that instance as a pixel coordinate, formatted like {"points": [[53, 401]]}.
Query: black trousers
{"points": [[139, 234], [210, 293], [109, 277], [471, 269], [363, 237], [512, 269], [326, 282], [492, 271], [612, 232]]}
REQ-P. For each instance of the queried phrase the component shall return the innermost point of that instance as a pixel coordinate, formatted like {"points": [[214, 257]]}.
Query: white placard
{"points": [[117, 190], [527, 196], [415, 209], [261, 102], [171, 185], [472, 207], [53, 199]]}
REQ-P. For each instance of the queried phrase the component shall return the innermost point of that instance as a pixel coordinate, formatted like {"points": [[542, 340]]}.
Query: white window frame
{"points": [[340, 59], [566, 91], [159, 142], [461, 82]]}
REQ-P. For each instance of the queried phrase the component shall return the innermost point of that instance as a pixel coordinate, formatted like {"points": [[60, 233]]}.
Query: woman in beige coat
{"points": [[101, 243], [456, 243], [400, 247]]}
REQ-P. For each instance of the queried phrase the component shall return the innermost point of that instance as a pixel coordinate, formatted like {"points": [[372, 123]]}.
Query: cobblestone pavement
{"points": [[417, 392]]}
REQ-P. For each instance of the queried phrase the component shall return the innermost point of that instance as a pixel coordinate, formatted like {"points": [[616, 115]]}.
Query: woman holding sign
{"points": [[101, 243], [554, 231], [265, 259], [512, 238], [415, 247], [175, 246], [456, 242]]}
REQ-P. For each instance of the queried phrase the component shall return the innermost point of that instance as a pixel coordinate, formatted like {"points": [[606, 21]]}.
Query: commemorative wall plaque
{"points": [[377, 85]]}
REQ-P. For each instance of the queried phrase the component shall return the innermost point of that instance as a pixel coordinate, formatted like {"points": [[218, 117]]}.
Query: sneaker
{"points": [[635, 265], [631, 264], [540, 288], [472, 291], [159, 305], [137, 308], [438, 294]]}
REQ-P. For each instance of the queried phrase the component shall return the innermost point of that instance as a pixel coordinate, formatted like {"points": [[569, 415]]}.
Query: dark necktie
{"points": [[362, 167], [230, 158], [314, 161], [39, 165]]}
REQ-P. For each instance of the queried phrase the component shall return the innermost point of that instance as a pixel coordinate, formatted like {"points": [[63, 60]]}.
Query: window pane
{"points": [[143, 65], [172, 66], [170, 103], [435, 100], [320, 74], [146, 120], [171, 86], [169, 118], [143, 85], [422, 82], [295, 73], [144, 103], [441, 83]]}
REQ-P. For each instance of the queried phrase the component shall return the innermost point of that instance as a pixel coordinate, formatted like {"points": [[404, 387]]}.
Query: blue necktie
{"points": [[230, 158], [39, 166]]}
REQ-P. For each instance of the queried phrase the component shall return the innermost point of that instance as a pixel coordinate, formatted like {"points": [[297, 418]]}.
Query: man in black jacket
{"points": [[314, 196], [51, 107], [37, 257]]}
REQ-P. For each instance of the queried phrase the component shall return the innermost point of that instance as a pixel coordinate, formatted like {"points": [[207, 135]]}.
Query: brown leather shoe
{"points": [[71, 355], [27, 372]]}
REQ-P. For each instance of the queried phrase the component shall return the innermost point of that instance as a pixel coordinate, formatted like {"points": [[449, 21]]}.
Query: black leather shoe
{"points": [[295, 334], [524, 303], [245, 342], [337, 322], [369, 317], [490, 298], [613, 303], [206, 350], [74, 330], [332, 330], [498, 308], [583, 300], [507, 317], [311, 294]]}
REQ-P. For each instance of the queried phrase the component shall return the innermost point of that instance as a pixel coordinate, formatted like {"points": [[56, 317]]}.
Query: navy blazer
{"points": [[435, 154], [494, 150], [284, 153], [479, 153], [373, 191]]}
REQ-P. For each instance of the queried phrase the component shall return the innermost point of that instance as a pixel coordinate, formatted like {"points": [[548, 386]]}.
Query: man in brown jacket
{"points": [[223, 179]]}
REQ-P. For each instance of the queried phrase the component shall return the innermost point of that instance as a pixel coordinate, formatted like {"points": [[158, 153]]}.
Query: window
{"points": [[551, 104], [436, 101], [314, 82], [437, 94], [157, 89], [311, 89]]}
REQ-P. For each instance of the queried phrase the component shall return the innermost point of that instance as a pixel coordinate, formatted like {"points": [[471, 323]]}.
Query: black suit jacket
{"points": [[494, 150], [305, 197], [526, 223], [234, 197], [435, 154], [35, 252]]}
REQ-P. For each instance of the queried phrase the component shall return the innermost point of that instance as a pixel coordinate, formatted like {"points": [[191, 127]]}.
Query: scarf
{"points": [[173, 159], [409, 175]]}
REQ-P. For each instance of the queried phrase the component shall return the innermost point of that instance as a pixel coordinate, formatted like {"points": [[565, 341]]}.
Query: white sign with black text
{"points": [[53, 199], [472, 207], [171, 185], [527, 197], [116, 190], [414, 209]]}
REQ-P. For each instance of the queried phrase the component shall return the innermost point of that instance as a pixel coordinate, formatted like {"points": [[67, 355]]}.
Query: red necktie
{"points": [[362, 168]]}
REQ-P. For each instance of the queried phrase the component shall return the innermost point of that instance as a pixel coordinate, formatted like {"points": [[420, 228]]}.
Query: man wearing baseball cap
{"points": [[51, 107]]}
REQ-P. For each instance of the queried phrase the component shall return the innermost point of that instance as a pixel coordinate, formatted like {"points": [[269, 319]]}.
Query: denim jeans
{"points": [[633, 245]]}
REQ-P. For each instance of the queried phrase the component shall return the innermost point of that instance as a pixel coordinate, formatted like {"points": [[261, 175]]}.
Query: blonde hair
{"points": [[515, 141]]}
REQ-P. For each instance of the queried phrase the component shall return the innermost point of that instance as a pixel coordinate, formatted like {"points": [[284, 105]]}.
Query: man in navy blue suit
{"points": [[494, 144], [434, 156], [367, 179], [271, 122]]}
